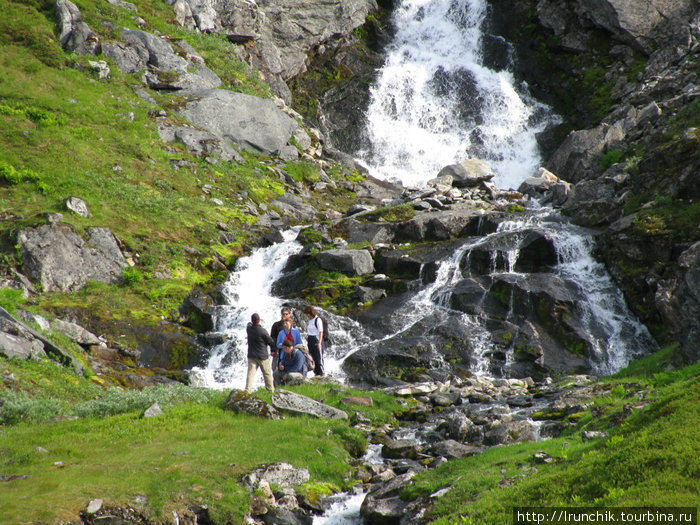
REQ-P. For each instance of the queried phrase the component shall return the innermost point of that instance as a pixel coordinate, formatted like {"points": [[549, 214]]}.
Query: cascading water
{"points": [[247, 291], [435, 103]]}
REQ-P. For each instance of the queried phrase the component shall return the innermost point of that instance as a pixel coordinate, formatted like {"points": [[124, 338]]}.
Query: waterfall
{"points": [[247, 291], [435, 103]]}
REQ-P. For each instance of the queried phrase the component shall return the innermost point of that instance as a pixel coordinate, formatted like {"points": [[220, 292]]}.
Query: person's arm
{"points": [[297, 337], [280, 339], [321, 328], [268, 340]]}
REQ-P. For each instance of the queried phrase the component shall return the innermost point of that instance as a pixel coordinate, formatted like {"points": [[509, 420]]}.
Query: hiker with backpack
{"points": [[315, 330], [292, 365]]}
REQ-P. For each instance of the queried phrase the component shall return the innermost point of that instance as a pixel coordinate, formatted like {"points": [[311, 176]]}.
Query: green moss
{"points": [[398, 213]]}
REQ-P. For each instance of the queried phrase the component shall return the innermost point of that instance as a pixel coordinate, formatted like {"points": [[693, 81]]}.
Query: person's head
{"points": [[288, 346], [287, 324], [255, 319], [310, 311], [285, 313]]}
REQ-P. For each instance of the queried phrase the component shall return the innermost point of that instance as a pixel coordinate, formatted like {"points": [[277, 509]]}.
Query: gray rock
{"points": [[400, 448], [451, 449], [354, 262], [101, 68], [250, 122], [580, 153], [124, 5], [240, 401], [284, 32], [459, 426], [636, 23], [77, 205], [74, 34], [298, 404], [59, 259], [94, 506], [18, 344], [200, 143], [153, 411], [25, 341], [75, 332], [383, 504], [363, 294], [281, 474], [128, 58], [468, 173], [592, 435]]}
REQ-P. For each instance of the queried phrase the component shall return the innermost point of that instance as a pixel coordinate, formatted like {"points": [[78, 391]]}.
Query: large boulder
{"points": [[383, 504], [278, 34], [636, 23], [580, 154], [61, 260], [200, 143], [249, 122], [298, 404], [18, 343], [354, 262], [180, 69], [75, 36], [468, 173]]}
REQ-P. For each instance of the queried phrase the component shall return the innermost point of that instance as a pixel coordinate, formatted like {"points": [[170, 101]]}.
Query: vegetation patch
{"points": [[398, 213]]}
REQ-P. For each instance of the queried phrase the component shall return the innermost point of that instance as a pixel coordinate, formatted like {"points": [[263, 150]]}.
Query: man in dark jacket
{"points": [[258, 356]]}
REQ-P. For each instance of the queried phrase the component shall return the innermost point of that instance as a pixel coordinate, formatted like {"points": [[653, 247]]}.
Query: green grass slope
{"points": [[196, 453], [64, 132]]}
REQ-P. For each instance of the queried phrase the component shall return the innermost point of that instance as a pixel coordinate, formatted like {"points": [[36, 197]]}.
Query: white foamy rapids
{"points": [[345, 510], [248, 291], [616, 335], [417, 121]]}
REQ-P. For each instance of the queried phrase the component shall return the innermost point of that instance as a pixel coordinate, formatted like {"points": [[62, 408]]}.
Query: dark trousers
{"points": [[316, 351]]}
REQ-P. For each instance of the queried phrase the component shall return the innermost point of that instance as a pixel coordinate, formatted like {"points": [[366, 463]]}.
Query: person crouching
{"points": [[292, 365]]}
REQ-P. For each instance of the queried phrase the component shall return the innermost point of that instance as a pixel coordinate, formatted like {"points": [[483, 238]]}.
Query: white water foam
{"points": [[247, 291], [417, 114]]}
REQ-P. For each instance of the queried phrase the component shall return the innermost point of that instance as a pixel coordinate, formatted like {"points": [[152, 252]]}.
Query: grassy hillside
{"points": [[76, 441], [197, 452], [65, 133]]}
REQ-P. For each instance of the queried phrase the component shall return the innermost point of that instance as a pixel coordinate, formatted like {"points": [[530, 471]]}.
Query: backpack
{"points": [[310, 363], [326, 332]]}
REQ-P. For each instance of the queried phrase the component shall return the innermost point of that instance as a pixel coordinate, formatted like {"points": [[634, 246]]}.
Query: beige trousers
{"points": [[253, 365]]}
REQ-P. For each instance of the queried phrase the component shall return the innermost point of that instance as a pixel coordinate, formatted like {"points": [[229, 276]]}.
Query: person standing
{"points": [[258, 356], [315, 330], [285, 313]]}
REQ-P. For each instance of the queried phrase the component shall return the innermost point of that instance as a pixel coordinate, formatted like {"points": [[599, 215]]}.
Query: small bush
{"points": [[132, 276], [609, 158]]}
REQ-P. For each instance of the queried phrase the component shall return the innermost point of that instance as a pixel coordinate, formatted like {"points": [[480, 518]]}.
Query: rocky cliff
{"points": [[624, 75]]}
